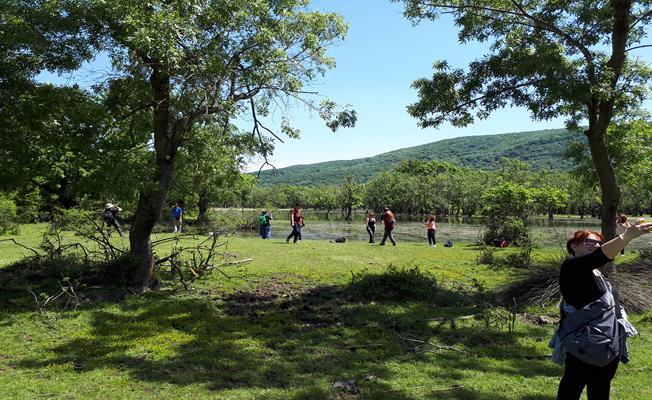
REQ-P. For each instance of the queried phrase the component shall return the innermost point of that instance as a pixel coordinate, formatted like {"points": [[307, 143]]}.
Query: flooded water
{"points": [[544, 232]]}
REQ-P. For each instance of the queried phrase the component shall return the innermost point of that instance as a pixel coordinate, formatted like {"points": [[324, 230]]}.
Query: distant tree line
{"points": [[419, 187]]}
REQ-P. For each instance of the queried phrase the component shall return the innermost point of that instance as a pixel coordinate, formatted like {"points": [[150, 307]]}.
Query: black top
{"points": [[577, 282], [111, 213]]}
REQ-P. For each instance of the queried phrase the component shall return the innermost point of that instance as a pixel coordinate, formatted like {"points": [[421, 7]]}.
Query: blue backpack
{"points": [[448, 243]]}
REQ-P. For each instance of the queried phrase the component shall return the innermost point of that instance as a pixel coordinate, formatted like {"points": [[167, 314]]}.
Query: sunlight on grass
{"points": [[289, 325]]}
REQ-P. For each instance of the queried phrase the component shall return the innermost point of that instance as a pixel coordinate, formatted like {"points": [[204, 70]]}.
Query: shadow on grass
{"points": [[289, 335]]}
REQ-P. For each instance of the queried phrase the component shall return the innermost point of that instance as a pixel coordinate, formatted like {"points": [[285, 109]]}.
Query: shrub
{"points": [[512, 229], [486, 256], [402, 284], [28, 203], [7, 213]]}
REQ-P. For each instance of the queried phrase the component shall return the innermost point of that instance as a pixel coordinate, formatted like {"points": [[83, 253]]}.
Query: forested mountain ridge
{"points": [[540, 149]]}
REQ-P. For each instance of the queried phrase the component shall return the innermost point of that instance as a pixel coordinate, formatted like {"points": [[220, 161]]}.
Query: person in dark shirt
{"points": [[110, 216], [296, 220], [388, 221], [581, 283], [371, 226]]}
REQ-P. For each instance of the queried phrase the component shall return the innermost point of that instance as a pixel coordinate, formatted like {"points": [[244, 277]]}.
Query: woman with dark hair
{"points": [[431, 227], [296, 221], [583, 287], [388, 221], [371, 226]]}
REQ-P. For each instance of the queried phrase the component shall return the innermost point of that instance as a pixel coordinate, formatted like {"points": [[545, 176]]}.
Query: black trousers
{"points": [[371, 230], [388, 234], [296, 233], [431, 236], [578, 374], [114, 223]]}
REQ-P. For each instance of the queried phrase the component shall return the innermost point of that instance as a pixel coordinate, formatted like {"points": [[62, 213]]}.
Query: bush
{"points": [[512, 229], [486, 256], [28, 204], [7, 213], [402, 284]]}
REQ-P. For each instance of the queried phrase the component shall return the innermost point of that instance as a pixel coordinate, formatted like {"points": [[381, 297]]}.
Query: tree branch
{"points": [[639, 19], [489, 95], [522, 13], [638, 47]]}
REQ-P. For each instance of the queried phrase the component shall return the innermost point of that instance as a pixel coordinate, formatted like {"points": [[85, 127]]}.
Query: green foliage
{"points": [[571, 72], [28, 203], [510, 228], [7, 213], [507, 199], [568, 59], [401, 284], [253, 332], [350, 195], [540, 149]]}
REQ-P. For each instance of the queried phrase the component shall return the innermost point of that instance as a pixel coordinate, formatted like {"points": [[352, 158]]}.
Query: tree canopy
{"points": [[570, 58], [174, 65]]}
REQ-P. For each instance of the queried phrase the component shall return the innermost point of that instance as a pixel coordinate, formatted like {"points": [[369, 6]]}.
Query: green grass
{"points": [[287, 326]]}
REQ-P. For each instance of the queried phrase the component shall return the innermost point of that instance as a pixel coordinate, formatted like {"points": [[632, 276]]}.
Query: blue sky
{"points": [[382, 54]]}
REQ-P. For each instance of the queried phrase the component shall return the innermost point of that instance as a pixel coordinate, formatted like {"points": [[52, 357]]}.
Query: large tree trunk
{"points": [[166, 143], [610, 192], [203, 207], [147, 213], [600, 115]]}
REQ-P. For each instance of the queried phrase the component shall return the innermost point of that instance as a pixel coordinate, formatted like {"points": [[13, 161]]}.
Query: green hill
{"points": [[540, 149]]}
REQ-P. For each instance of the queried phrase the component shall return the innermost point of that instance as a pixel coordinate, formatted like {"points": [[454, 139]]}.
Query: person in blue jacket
{"points": [[177, 216]]}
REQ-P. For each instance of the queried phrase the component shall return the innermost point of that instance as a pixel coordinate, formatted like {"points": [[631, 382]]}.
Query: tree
{"points": [[556, 58], [350, 196], [630, 144], [209, 161], [325, 198], [179, 63]]}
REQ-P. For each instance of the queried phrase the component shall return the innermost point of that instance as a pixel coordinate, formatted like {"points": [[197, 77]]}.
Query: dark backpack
{"points": [[448, 243], [591, 334]]}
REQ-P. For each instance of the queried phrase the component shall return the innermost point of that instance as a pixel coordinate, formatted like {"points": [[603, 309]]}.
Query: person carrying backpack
{"points": [[265, 225], [177, 216], [110, 216], [388, 221], [593, 325], [296, 220]]}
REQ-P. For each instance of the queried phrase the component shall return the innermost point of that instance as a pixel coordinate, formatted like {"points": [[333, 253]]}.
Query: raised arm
{"points": [[615, 245]]}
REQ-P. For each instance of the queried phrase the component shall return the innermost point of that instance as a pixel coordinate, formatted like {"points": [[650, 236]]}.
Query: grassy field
{"points": [[315, 320]]}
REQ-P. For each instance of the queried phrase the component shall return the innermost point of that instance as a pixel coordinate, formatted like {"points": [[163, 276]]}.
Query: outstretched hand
{"points": [[638, 228]]}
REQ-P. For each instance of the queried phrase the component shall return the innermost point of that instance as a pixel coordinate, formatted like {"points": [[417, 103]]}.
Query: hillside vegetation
{"points": [[540, 149]]}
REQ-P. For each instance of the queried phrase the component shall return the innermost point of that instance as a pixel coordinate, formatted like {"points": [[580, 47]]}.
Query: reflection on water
{"points": [[544, 232]]}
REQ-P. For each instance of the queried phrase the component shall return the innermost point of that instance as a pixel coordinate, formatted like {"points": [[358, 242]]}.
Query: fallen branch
{"points": [[359, 346], [36, 253], [436, 346], [246, 260]]}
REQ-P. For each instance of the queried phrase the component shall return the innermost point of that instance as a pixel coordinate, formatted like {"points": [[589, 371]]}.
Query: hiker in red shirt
{"points": [[389, 221], [296, 220]]}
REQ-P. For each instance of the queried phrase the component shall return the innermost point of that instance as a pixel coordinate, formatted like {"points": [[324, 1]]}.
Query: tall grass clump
{"points": [[402, 284]]}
